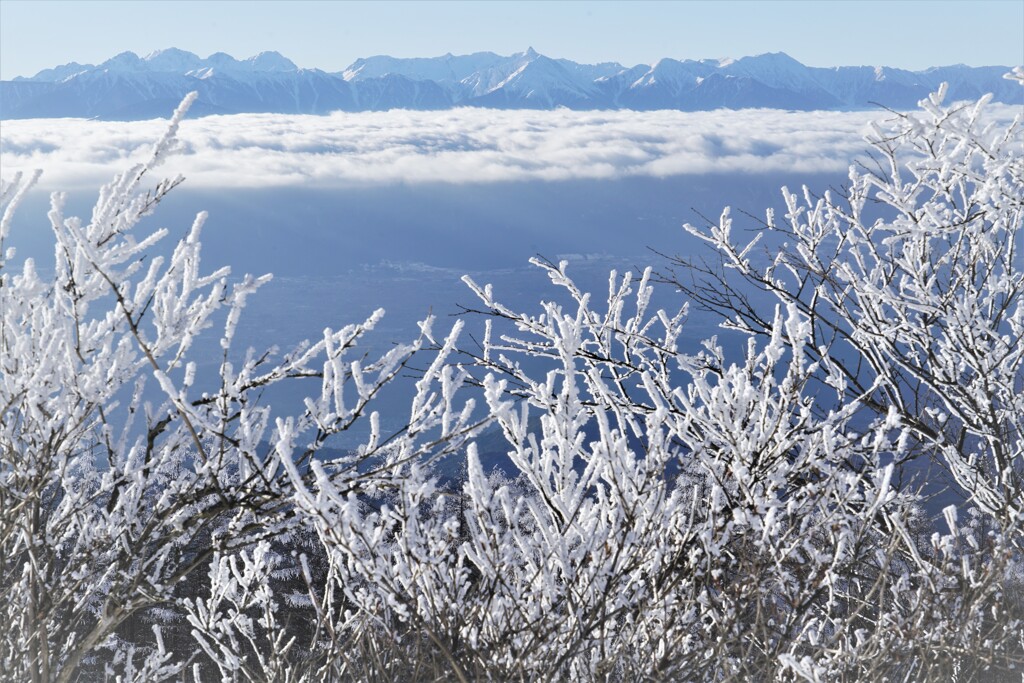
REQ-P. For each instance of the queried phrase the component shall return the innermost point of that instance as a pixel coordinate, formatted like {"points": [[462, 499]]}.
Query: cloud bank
{"points": [[454, 146]]}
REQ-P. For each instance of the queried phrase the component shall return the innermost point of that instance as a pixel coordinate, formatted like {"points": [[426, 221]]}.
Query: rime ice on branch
{"points": [[667, 516]]}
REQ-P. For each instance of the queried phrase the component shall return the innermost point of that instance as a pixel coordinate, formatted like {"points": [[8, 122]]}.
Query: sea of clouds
{"points": [[454, 146]]}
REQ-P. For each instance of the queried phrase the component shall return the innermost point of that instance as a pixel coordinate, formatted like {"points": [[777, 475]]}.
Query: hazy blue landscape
{"points": [[456, 434], [354, 212], [338, 254], [389, 208]]}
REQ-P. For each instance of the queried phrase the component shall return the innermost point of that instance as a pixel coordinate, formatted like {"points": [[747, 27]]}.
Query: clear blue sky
{"points": [[39, 34]]}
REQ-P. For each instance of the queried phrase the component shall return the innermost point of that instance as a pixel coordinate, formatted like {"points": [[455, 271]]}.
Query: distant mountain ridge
{"points": [[129, 87]]}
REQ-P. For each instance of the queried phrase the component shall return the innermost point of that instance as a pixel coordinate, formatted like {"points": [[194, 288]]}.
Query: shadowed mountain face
{"points": [[129, 87]]}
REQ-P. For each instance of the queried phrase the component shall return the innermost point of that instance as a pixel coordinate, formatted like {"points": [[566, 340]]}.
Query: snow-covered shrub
{"points": [[699, 517], [123, 474], [662, 515]]}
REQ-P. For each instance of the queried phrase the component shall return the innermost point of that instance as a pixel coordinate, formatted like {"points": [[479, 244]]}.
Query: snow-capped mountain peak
{"points": [[270, 61], [58, 73], [125, 61], [127, 86], [181, 62], [771, 68], [172, 60]]}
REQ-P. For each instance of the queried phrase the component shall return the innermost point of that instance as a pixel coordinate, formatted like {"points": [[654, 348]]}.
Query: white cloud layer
{"points": [[453, 146]]}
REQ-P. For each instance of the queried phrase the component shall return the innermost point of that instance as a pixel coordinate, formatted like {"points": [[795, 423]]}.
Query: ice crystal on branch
{"points": [[663, 515]]}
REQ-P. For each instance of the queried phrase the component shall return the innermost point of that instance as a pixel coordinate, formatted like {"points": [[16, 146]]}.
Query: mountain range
{"points": [[129, 87]]}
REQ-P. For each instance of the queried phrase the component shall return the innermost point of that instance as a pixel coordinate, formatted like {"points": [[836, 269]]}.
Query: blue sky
{"points": [[329, 35]]}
